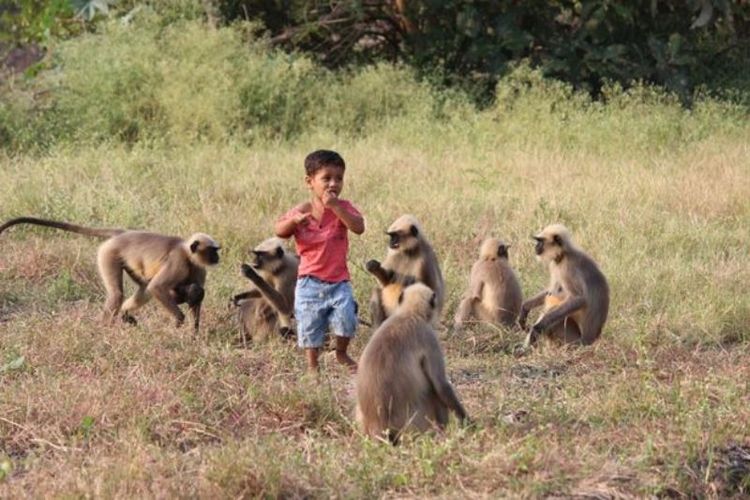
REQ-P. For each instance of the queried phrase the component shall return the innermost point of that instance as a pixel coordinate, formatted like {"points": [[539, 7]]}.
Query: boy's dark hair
{"points": [[323, 158]]}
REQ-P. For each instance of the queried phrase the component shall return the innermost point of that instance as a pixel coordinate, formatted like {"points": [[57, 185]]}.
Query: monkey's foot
{"points": [[456, 329], [286, 333], [531, 339], [130, 320]]}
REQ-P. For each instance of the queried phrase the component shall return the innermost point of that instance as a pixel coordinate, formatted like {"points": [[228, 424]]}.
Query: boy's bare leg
{"points": [[311, 353], [342, 343]]}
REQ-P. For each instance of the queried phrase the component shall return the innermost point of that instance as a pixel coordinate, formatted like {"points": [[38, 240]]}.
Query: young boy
{"points": [[320, 228]]}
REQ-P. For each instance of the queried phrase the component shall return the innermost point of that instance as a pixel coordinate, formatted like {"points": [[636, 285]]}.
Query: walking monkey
{"points": [[168, 268]]}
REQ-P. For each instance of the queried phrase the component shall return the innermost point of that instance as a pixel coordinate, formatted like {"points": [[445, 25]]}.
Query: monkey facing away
{"points": [[401, 381], [168, 268], [267, 308], [576, 302], [494, 293], [410, 259]]}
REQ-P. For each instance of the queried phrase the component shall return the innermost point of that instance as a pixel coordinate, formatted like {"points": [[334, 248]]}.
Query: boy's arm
{"points": [[353, 220], [286, 225]]}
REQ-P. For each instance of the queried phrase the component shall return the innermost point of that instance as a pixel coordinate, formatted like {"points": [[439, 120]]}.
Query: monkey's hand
{"points": [[522, 318], [538, 328], [372, 265], [180, 320], [248, 272], [129, 319]]}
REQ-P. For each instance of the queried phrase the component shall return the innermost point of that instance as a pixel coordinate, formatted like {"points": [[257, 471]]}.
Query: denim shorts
{"points": [[318, 305]]}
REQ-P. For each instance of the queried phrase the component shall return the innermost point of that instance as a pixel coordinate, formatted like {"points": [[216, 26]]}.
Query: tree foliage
{"points": [[677, 43]]}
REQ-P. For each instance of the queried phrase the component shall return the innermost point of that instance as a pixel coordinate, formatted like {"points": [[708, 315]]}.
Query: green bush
{"points": [[148, 81]]}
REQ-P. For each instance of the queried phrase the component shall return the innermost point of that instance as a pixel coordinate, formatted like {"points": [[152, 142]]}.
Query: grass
{"points": [[152, 411], [658, 194]]}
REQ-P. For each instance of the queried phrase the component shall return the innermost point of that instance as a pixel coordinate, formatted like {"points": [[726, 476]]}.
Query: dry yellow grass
{"points": [[150, 411]]}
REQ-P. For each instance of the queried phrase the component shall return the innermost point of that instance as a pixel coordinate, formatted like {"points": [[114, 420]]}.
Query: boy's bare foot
{"points": [[311, 353], [343, 358], [342, 343]]}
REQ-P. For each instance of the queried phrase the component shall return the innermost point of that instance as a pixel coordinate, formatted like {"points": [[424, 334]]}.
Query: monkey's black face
{"points": [[502, 251], [204, 250], [549, 247], [395, 240], [259, 259], [539, 247], [405, 240], [265, 260], [212, 255]]}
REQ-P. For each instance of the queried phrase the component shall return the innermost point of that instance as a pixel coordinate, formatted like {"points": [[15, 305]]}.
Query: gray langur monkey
{"points": [[494, 294], [168, 268], [576, 302], [268, 307], [401, 381], [410, 259]]}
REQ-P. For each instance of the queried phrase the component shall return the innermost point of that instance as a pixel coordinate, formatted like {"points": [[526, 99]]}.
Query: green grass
{"points": [[657, 194]]}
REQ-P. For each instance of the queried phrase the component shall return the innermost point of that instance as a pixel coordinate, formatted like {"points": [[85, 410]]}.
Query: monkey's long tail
{"points": [[88, 231]]}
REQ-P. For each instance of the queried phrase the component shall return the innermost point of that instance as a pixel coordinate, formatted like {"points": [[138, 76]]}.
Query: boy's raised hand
{"points": [[330, 199], [302, 219]]}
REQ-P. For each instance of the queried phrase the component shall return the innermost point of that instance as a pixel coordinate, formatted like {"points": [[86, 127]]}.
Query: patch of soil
{"points": [[15, 60], [524, 371], [725, 472]]}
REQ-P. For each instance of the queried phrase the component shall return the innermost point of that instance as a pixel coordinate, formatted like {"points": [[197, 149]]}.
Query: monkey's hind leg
{"points": [[566, 332], [377, 314], [110, 271], [137, 300], [465, 312]]}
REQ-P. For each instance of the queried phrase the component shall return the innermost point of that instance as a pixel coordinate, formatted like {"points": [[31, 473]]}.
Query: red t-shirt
{"points": [[323, 245]]}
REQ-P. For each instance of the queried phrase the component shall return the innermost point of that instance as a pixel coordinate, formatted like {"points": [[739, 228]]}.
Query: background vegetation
{"points": [[679, 44], [156, 118]]}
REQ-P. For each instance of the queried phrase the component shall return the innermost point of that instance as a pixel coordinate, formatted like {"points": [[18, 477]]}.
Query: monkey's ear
{"points": [[194, 246], [556, 238], [279, 252], [414, 231], [433, 299], [400, 297]]}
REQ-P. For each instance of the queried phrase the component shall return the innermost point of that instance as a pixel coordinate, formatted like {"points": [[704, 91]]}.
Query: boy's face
{"points": [[329, 179]]}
